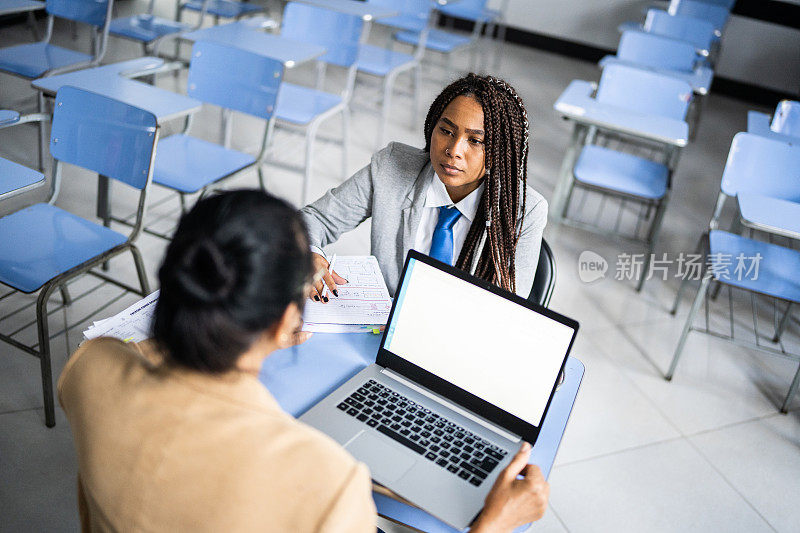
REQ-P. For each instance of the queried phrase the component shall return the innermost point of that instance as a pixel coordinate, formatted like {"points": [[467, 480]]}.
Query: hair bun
{"points": [[206, 275]]}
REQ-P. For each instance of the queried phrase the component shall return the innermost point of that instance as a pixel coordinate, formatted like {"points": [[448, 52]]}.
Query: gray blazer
{"points": [[395, 183]]}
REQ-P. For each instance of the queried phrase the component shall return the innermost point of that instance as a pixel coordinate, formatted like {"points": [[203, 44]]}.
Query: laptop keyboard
{"points": [[448, 445]]}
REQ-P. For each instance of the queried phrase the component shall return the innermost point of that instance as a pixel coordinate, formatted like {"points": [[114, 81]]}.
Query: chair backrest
{"points": [[696, 31], [94, 12], [338, 32], [657, 51], [727, 4], [414, 14], [715, 14], [104, 135], [644, 91], [470, 5], [544, 281], [235, 79], [787, 118], [764, 166]]}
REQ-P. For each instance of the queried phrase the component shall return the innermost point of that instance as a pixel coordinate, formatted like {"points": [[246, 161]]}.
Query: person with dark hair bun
{"points": [[464, 198], [178, 434]]}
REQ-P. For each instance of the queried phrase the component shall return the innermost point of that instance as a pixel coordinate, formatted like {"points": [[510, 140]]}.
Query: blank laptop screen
{"points": [[498, 350]]}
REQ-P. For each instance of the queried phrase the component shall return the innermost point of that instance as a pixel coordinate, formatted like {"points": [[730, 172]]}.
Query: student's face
{"points": [[457, 153]]}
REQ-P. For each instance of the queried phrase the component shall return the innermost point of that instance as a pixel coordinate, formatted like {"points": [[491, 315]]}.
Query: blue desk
{"points": [[115, 81], [245, 36], [300, 377], [11, 7], [577, 105], [699, 78]]}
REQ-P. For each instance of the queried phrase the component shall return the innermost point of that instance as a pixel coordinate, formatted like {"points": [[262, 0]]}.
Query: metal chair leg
{"points": [[698, 300], [44, 355], [262, 181], [698, 249], [140, 271], [416, 90], [651, 239], [310, 136], [42, 105], [388, 85], [784, 321], [792, 391], [65, 297], [345, 140]]}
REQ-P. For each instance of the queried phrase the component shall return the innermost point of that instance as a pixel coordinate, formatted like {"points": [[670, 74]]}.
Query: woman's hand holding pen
{"points": [[325, 277]]}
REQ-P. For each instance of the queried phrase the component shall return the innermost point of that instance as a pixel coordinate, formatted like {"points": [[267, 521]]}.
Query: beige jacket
{"points": [[167, 449]]}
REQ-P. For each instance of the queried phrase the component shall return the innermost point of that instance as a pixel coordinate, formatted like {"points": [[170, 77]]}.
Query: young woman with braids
{"points": [[463, 199], [178, 434]]}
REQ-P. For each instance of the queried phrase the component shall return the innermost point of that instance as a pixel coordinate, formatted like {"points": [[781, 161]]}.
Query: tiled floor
{"points": [[707, 452]]}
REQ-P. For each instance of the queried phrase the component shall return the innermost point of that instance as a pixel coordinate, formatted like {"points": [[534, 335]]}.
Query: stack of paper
{"points": [[362, 305], [131, 325]]}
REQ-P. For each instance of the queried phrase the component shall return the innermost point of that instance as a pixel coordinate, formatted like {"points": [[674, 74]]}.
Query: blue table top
{"points": [[773, 215], [301, 376], [114, 81], [9, 7], [241, 35], [366, 11], [15, 177], [576, 103]]}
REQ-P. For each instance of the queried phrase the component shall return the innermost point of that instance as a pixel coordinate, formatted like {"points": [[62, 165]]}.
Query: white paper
{"points": [[131, 325], [363, 300]]}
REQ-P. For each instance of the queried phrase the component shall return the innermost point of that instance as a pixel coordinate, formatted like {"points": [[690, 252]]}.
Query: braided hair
{"points": [[501, 210]]}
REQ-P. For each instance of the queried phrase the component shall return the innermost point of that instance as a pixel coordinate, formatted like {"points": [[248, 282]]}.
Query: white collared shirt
{"points": [[435, 197]]}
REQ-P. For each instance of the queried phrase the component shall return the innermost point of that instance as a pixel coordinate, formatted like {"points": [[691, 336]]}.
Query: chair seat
{"points": [[16, 176], [301, 105], [778, 268], [34, 59], [380, 61], [187, 164], [438, 40], [621, 172], [225, 8], [145, 28], [42, 241]]}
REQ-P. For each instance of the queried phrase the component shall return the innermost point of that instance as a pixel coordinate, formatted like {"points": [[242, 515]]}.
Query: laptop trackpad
{"points": [[385, 462]]}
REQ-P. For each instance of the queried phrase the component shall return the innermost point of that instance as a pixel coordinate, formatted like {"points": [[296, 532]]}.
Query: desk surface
{"points": [[10, 7], [301, 376], [576, 103], [366, 11], [114, 81], [773, 215], [241, 35]]}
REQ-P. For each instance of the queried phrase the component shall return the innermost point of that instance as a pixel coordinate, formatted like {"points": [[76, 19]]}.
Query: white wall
{"points": [[756, 52]]}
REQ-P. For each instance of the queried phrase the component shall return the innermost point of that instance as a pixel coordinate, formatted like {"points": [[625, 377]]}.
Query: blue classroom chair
{"points": [[662, 54], [42, 247], [388, 64], [645, 181], [308, 107], [186, 164], [698, 32], [151, 30], [785, 124], [765, 170], [229, 9], [415, 17], [35, 60], [476, 12], [717, 15]]}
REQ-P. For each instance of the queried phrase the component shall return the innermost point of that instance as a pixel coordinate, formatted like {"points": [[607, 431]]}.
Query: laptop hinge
{"points": [[450, 405]]}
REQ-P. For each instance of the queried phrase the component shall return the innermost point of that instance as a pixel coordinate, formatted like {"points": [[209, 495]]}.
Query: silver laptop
{"points": [[465, 371]]}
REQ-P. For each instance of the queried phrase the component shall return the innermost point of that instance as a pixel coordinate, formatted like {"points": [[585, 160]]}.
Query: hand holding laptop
{"points": [[514, 502]]}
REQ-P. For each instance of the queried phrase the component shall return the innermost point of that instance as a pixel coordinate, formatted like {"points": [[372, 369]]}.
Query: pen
{"points": [[330, 270]]}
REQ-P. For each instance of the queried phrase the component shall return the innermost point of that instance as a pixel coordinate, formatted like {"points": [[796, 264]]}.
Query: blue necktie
{"points": [[442, 242]]}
